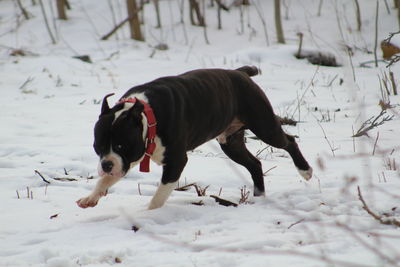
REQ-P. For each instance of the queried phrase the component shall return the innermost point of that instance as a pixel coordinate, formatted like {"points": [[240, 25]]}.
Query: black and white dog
{"points": [[187, 110]]}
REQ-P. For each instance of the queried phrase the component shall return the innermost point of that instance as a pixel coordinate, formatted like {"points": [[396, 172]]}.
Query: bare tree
{"points": [[376, 33], [220, 6], [397, 4], [194, 7], [157, 8], [23, 10], [53, 40], [134, 22], [278, 22], [358, 15], [61, 4]]}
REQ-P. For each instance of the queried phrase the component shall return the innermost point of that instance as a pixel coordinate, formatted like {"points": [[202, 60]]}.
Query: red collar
{"points": [[151, 132]]}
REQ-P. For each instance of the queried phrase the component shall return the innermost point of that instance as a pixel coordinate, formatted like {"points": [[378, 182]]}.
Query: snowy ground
{"points": [[50, 102]]}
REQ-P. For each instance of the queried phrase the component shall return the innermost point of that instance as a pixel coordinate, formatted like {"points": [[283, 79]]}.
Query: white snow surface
{"points": [[50, 101]]}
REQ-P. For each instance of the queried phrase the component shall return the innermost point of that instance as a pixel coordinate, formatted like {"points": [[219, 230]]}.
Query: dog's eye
{"points": [[118, 147]]}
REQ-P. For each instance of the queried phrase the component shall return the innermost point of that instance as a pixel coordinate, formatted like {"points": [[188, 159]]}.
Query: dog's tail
{"points": [[250, 70]]}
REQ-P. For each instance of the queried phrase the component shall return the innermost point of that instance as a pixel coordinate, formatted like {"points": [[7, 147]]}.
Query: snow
{"points": [[50, 102]]}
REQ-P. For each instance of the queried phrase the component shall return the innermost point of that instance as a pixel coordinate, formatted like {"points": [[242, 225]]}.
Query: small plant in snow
{"points": [[244, 195], [373, 122]]}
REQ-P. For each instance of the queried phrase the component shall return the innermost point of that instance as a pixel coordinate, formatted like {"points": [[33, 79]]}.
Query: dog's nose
{"points": [[107, 165]]}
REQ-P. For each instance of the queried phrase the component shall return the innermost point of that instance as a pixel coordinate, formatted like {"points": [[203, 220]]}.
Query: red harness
{"points": [[151, 132]]}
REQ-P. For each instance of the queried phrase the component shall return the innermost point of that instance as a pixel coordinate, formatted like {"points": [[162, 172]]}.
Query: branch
{"points": [[41, 176], [116, 28], [387, 40], [372, 123], [374, 215], [393, 60], [223, 202], [222, 5]]}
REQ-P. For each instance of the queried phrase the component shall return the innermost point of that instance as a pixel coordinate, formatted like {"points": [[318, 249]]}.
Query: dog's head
{"points": [[119, 137]]}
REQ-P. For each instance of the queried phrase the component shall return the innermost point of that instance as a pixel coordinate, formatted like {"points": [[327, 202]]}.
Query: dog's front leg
{"points": [[100, 190], [171, 173], [161, 195]]}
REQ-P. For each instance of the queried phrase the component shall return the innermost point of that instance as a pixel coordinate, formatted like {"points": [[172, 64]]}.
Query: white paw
{"points": [[307, 174], [89, 201]]}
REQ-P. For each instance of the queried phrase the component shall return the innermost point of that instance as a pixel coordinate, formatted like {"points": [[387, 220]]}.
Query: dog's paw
{"points": [[306, 174], [87, 202]]}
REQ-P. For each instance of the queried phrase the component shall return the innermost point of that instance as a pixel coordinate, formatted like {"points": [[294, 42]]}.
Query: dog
{"points": [[163, 119]]}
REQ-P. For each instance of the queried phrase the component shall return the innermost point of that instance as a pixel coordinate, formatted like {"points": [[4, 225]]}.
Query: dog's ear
{"points": [[137, 109], [104, 107]]}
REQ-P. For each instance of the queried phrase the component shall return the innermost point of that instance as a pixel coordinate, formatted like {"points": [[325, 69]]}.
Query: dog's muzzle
{"points": [[111, 164]]}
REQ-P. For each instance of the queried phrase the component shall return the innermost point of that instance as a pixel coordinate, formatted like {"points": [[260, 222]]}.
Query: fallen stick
{"points": [[65, 179], [185, 187], [223, 202], [41, 176], [374, 215]]}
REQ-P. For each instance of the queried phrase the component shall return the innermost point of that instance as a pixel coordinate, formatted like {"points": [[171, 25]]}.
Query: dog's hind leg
{"points": [[171, 173], [236, 150], [269, 130]]}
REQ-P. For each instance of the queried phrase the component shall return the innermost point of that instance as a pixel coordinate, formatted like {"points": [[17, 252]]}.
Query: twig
{"points": [[46, 22], [17, 194], [119, 25], [201, 192], [376, 34], [354, 143], [23, 10], [30, 79], [270, 169], [260, 151], [41, 176], [65, 179], [372, 123], [387, 40], [293, 224], [198, 203], [327, 140], [393, 60], [185, 187], [223, 202], [305, 91], [373, 214], [244, 195], [376, 141], [394, 86], [264, 24]]}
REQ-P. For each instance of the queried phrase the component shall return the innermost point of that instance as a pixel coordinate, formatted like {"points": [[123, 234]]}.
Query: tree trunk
{"points": [[23, 10], [278, 22], [219, 17], [157, 7], [398, 10], [61, 9], [53, 40], [134, 22], [376, 34], [194, 7], [358, 15]]}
